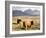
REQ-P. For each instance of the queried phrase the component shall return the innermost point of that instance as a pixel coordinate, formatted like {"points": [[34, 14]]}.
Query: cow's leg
{"points": [[26, 27]]}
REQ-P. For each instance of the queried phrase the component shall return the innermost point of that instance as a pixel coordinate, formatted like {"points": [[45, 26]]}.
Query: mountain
{"points": [[36, 12], [18, 13], [32, 12], [28, 12]]}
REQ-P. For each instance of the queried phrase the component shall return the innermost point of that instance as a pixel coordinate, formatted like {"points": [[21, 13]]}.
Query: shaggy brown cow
{"points": [[27, 23]]}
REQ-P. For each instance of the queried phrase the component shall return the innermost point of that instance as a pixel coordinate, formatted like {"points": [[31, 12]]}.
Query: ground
{"points": [[31, 23]]}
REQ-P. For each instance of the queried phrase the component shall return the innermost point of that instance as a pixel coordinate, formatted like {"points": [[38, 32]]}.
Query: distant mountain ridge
{"points": [[27, 12]]}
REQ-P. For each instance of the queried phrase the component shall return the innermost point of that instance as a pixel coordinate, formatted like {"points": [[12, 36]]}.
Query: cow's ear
{"points": [[18, 20], [31, 22], [24, 24]]}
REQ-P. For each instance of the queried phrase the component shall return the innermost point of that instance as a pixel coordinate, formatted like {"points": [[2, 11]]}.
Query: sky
{"points": [[25, 8]]}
